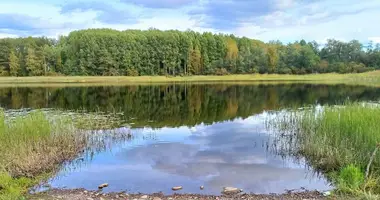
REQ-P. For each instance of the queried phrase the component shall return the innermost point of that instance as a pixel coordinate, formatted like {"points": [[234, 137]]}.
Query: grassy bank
{"points": [[32, 147], [339, 141], [369, 78]]}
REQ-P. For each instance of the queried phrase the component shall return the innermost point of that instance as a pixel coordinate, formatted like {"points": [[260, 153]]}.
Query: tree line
{"points": [[107, 52]]}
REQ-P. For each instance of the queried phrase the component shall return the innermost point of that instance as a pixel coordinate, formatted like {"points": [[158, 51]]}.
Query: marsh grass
{"points": [[33, 146], [338, 140]]}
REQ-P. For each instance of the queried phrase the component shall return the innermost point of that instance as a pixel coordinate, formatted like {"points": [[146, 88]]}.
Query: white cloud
{"points": [[374, 39], [290, 20]]}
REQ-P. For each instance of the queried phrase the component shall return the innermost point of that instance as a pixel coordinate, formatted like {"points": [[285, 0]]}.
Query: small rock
{"points": [[231, 190], [156, 198], [144, 197], [170, 198], [103, 185], [177, 188], [327, 193], [85, 191], [202, 187], [117, 196], [101, 198], [90, 198]]}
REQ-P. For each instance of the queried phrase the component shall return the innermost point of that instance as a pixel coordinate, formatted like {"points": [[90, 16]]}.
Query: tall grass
{"points": [[335, 138], [33, 145]]}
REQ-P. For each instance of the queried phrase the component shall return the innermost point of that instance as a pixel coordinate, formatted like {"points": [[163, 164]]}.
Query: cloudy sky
{"points": [[285, 20]]}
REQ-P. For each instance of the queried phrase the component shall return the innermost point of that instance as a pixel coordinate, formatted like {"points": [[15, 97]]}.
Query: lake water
{"points": [[187, 135]]}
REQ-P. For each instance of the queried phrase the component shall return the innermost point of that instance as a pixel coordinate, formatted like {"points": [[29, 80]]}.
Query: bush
{"points": [[53, 74], [350, 179], [132, 72], [221, 72], [284, 70]]}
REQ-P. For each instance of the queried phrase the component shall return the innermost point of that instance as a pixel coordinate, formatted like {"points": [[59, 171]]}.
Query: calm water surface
{"points": [[187, 135]]}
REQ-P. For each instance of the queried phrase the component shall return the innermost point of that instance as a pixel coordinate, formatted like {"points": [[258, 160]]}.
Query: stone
{"points": [[202, 187], [85, 191], [327, 193], [103, 185], [170, 198], [156, 198], [117, 196], [144, 197], [231, 190], [90, 198], [177, 188]]}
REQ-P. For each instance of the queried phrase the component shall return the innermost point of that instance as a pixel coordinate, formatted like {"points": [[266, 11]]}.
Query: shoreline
{"points": [[79, 194], [364, 79]]}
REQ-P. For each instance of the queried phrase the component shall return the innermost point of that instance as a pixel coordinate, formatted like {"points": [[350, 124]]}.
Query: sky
{"points": [[284, 20]]}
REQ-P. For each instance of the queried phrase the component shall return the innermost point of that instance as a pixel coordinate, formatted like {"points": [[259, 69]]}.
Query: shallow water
{"points": [[187, 135]]}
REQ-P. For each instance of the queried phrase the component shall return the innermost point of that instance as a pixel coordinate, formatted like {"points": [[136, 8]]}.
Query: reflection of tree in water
{"points": [[181, 104]]}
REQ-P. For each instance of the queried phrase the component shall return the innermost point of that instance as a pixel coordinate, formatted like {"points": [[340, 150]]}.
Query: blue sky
{"points": [[285, 20]]}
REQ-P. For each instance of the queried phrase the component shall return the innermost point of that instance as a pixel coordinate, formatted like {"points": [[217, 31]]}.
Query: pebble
{"points": [[144, 197], [103, 185], [327, 193], [90, 198], [177, 188], [156, 198], [170, 198], [231, 190]]}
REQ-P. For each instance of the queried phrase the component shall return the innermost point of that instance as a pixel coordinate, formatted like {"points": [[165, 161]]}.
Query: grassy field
{"points": [[32, 147], [339, 140], [369, 78]]}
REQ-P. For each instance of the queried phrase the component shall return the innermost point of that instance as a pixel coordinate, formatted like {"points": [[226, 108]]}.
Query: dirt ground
{"points": [[80, 194]]}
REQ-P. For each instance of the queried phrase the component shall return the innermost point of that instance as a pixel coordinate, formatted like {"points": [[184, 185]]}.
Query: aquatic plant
{"points": [[32, 146], [336, 139]]}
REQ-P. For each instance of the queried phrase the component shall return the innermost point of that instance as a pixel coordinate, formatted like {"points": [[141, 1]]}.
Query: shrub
{"points": [[221, 72], [350, 179], [132, 72]]}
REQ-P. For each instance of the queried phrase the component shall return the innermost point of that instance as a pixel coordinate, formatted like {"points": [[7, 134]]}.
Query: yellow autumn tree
{"points": [[232, 54]]}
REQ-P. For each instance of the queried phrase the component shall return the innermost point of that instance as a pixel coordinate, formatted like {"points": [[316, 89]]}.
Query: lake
{"points": [[189, 135]]}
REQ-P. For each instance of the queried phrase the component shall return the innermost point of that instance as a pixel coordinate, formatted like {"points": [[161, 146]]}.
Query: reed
{"points": [[338, 140], [32, 146]]}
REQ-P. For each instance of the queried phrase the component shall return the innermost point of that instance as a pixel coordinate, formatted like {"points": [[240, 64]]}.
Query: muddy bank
{"points": [[80, 194]]}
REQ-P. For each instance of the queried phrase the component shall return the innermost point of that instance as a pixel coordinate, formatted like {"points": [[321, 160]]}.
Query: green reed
{"points": [[334, 138], [33, 145]]}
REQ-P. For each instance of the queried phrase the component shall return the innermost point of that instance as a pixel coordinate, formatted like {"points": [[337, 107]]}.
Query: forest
{"points": [[107, 52]]}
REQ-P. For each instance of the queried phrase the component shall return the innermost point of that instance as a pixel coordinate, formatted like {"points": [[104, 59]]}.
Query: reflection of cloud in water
{"points": [[232, 153], [223, 154]]}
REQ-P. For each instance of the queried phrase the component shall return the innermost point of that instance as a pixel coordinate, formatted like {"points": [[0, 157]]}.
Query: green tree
{"points": [[14, 65], [33, 64]]}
